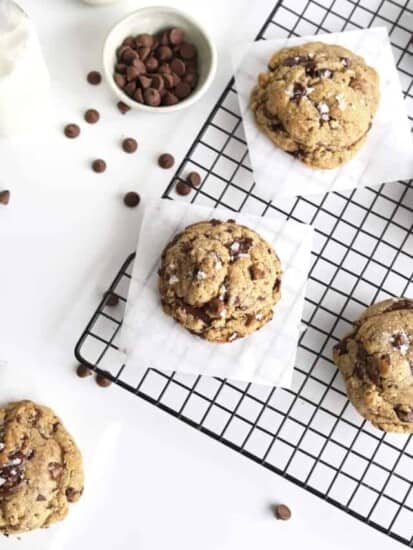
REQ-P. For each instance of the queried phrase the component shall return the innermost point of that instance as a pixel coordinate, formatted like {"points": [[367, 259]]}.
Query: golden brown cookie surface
{"points": [[376, 361], [40, 468], [317, 101], [220, 280]]}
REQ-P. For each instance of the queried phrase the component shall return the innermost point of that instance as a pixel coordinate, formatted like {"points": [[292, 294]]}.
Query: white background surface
{"points": [[153, 482]]}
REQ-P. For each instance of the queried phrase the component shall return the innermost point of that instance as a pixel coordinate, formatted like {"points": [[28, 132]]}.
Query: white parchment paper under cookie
{"points": [[387, 154], [152, 339]]}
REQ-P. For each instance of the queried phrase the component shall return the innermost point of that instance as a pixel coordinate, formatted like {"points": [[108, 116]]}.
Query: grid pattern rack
{"points": [[363, 253]]}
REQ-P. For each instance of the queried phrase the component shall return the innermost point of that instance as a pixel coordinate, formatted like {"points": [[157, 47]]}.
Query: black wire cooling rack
{"points": [[363, 252]]}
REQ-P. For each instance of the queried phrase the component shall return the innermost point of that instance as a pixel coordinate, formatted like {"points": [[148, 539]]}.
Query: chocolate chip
{"points": [[129, 41], [99, 166], [169, 99], [178, 66], [131, 199], [129, 145], [138, 95], [144, 81], [176, 79], [187, 51], [191, 79], [299, 91], [145, 39], [158, 82], [215, 222], [231, 220], [194, 179], [164, 53], [151, 64], [282, 512], [322, 73], [94, 78], [166, 160], [92, 116], [176, 36], [133, 72], [128, 56], [400, 341], [4, 197], [130, 89], [165, 68], [182, 188], [277, 284], [112, 300], [123, 108], [121, 68], [40, 498], [168, 80], [144, 52], [102, 380], [55, 470], [256, 272], [83, 371], [120, 80], [152, 97], [72, 131], [182, 90]]}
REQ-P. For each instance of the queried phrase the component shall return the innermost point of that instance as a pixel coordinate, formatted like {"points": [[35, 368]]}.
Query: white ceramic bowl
{"points": [[152, 20]]}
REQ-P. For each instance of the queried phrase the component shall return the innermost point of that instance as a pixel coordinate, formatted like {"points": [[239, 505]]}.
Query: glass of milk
{"points": [[24, 79]]}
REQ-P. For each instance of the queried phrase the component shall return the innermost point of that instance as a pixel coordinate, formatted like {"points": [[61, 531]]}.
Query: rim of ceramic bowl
{"points": [[195, 96]]}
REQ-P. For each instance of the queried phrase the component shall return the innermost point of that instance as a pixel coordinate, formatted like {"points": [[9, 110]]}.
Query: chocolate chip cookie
{"points": [[220, 280], [376, 360], [40, 468], [316, 102]]}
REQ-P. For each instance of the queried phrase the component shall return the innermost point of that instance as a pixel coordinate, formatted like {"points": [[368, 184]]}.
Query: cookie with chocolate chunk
{"points": [[40, 468], [317, 102], [376, 361], [220, 280]]}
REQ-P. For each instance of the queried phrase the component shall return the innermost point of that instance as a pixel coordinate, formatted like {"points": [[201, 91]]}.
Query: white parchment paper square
{"points": [[152, 339], [387, 154]]}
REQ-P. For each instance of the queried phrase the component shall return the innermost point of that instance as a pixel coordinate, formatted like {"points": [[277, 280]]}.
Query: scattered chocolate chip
{"points": [[166, 160], [92, 116], [99, 166], [129, 145], [102, 380], [282, 512], [123, 108], [194, 179], [112, 300], [83, 371], [72, 131], [5, 197], [55, 470], [256, 272], [182, 188], [131, 199], [152, 97], [94, 78]]}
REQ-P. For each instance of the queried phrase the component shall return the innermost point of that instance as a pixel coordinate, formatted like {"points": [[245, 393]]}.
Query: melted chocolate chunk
{"points": [[216, 306], [197, 312], [299, 91], [296, 60], [404, 413], [12, 474], [55, 470], [346, 62], [399, 341], [240, 246], [277, 284], [341, 347]]}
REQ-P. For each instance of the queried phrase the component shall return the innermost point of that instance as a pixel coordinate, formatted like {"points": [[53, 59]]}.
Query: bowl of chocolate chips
{"points": [[159, 59]]}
